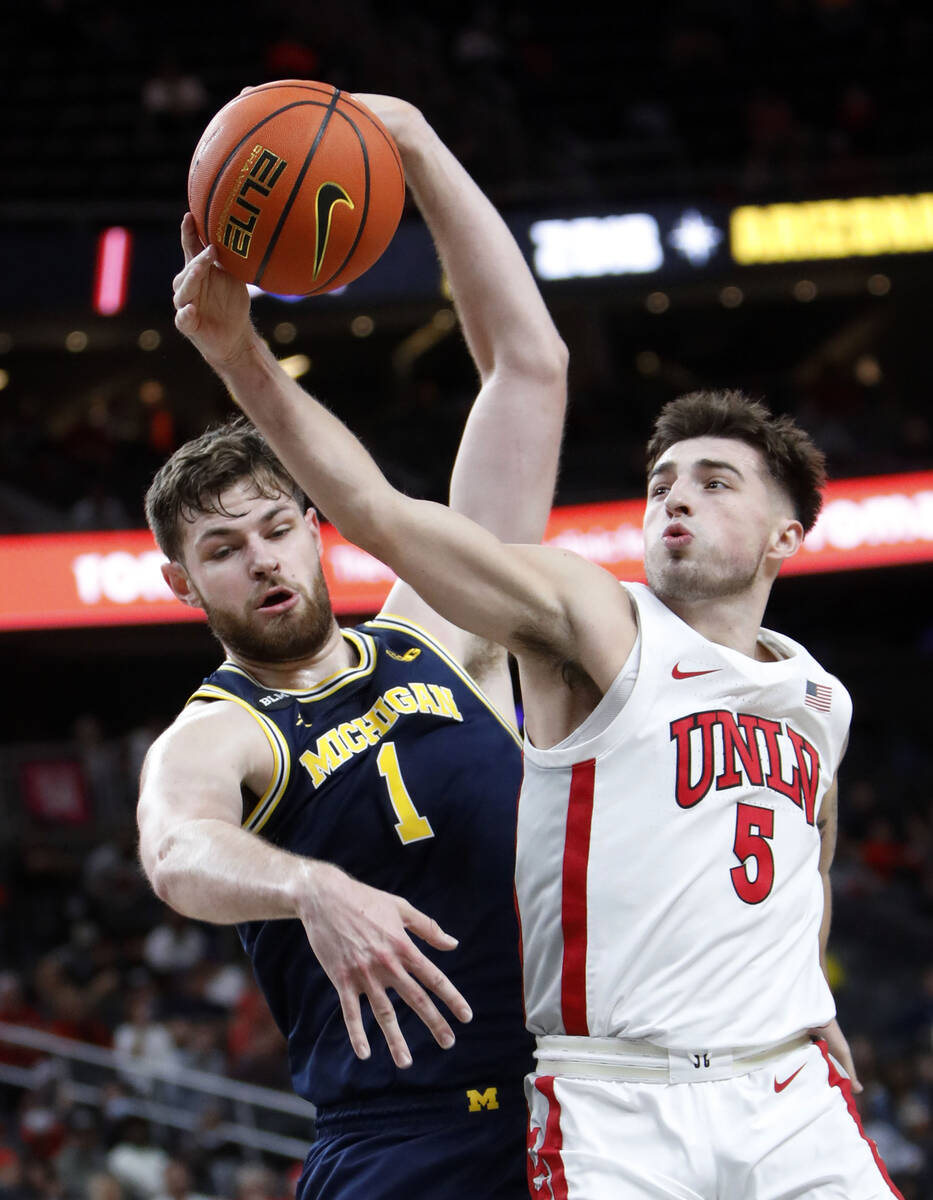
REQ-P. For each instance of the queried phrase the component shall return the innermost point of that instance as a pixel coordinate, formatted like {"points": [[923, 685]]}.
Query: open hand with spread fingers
{"points": [[362, 938]]}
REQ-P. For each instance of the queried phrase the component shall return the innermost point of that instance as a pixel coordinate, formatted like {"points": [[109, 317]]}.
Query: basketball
{"points": [[298, 186]]}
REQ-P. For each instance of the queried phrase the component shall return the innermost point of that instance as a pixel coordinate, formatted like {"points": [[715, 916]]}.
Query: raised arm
{"points": [[506, 467], [202, 863], [511, 443]]}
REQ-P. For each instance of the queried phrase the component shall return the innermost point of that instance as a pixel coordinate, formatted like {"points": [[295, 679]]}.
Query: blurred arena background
{"points": [[639, 156]]}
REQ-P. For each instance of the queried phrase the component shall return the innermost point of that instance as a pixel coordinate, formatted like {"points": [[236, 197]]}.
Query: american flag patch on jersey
{"points": [[818, 696]]}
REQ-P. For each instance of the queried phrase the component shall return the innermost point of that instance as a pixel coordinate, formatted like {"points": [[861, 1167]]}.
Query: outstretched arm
{"points": [[562, 605], [202, 863]]}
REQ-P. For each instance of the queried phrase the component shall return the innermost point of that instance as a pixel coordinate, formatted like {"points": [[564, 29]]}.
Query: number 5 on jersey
{"points": [[411, 826], [754, 827]]}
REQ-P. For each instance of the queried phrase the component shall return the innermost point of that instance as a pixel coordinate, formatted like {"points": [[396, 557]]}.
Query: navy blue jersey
{"points": [[399, 771]]}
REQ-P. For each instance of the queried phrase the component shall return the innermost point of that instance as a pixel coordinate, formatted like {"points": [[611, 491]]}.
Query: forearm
{"points": [[213, 871], [321, 454], [503, 315], [826, 921]]}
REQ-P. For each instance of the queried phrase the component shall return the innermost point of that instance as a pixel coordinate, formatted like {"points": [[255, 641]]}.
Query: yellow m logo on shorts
{"points": [[479, 1100]]}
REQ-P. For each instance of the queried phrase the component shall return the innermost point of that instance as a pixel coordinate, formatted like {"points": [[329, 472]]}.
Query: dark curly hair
{"points": [[792, 459]]}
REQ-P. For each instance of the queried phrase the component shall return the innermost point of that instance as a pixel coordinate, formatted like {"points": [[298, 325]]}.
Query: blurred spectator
{"points": [[144, 1037], [174, 945], [119, 895], [903, 1158], [11, 1173], [479, 45], [82, 965], [104, 1186], [15, 1009], [104, 771], [40, 1128], [288, 55], [136, 1161], [177, 1183], [82, 1154], [255, 1043], [70, 1008], [99, 508], [886, 853], [40, 1181], [172, 94], [257, 1181]]}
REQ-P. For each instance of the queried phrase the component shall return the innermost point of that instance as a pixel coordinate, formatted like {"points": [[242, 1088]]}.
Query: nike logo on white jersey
{"points": [[677, 673]]}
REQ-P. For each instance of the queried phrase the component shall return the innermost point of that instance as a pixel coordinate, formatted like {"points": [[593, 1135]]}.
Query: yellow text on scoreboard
{"points": [[863, 226]]}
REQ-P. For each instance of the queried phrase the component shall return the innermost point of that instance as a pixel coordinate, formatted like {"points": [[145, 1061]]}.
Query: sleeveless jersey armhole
{"points": [[281, 758]]}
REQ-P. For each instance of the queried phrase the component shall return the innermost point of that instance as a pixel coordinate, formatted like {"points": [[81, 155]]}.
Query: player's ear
{"points": [[177, 579], [313, 522], [788, 538]]}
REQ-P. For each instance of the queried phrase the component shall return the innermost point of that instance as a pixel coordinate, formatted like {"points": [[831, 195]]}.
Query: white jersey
{"points": [[667, 867]]}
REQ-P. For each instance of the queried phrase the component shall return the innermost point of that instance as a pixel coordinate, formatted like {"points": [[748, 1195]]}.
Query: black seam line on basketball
{"points": [[236, 149], [361, 111], [361, 223], [296, 186]]}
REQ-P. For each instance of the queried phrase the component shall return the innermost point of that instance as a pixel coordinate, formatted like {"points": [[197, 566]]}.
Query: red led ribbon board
{"points": [[113, 578]]}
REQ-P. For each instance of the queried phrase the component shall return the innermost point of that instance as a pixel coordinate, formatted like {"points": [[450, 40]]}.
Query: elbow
{"points": [[159, 865], [542, 362], [557, 358]]}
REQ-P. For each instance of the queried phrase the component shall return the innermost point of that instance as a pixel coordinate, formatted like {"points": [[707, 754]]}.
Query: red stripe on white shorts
{"points": [[546, 1169], [573, 897], [845, 1087]]}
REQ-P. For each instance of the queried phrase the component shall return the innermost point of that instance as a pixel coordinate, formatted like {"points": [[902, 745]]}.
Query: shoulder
{"points": [[208, 730], [201, 762], [811, 667]]}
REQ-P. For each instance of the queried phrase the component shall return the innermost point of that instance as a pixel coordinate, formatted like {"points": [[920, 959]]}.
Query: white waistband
{"points": [[644, 1062]]}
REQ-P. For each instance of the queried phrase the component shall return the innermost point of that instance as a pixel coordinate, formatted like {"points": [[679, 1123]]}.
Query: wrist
{"points": [[249, 355], [308, 886], [412, 135]]}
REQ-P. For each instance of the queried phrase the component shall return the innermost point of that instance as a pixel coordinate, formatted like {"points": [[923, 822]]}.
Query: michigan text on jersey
{"points": [[339, 744]]}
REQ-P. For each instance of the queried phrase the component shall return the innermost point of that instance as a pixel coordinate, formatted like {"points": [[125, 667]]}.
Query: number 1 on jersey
{"points": [[411, 826]]}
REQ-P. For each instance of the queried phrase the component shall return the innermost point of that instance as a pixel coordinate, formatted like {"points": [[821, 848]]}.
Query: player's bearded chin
{"points": [[293, 636]]}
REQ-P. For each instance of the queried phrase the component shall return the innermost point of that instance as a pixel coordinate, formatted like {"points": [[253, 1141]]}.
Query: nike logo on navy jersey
{"points": [[779, 1087], [409, 656], [677, 673]]}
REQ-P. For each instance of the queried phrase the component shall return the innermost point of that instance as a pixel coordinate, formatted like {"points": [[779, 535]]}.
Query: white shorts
{"points": [[781, 1126]]}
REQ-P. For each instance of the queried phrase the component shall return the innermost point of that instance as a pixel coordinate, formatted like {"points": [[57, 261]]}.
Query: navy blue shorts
{"points": [[433, 1147]]}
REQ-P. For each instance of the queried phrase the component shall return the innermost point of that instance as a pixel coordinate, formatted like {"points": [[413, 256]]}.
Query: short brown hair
{"points": [[192, 481], [793, 461]]}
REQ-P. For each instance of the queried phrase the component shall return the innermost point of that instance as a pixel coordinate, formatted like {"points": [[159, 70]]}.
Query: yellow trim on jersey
{"points": [[270, 798], [331, 683], [404, 625]]}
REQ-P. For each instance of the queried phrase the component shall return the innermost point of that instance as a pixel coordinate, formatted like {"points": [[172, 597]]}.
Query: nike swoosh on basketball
{"points": [[779, 1087], [329, 195], [676, 673]]}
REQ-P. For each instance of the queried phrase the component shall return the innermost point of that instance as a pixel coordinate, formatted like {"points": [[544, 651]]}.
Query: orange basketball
{"points": [[298, 186]]}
